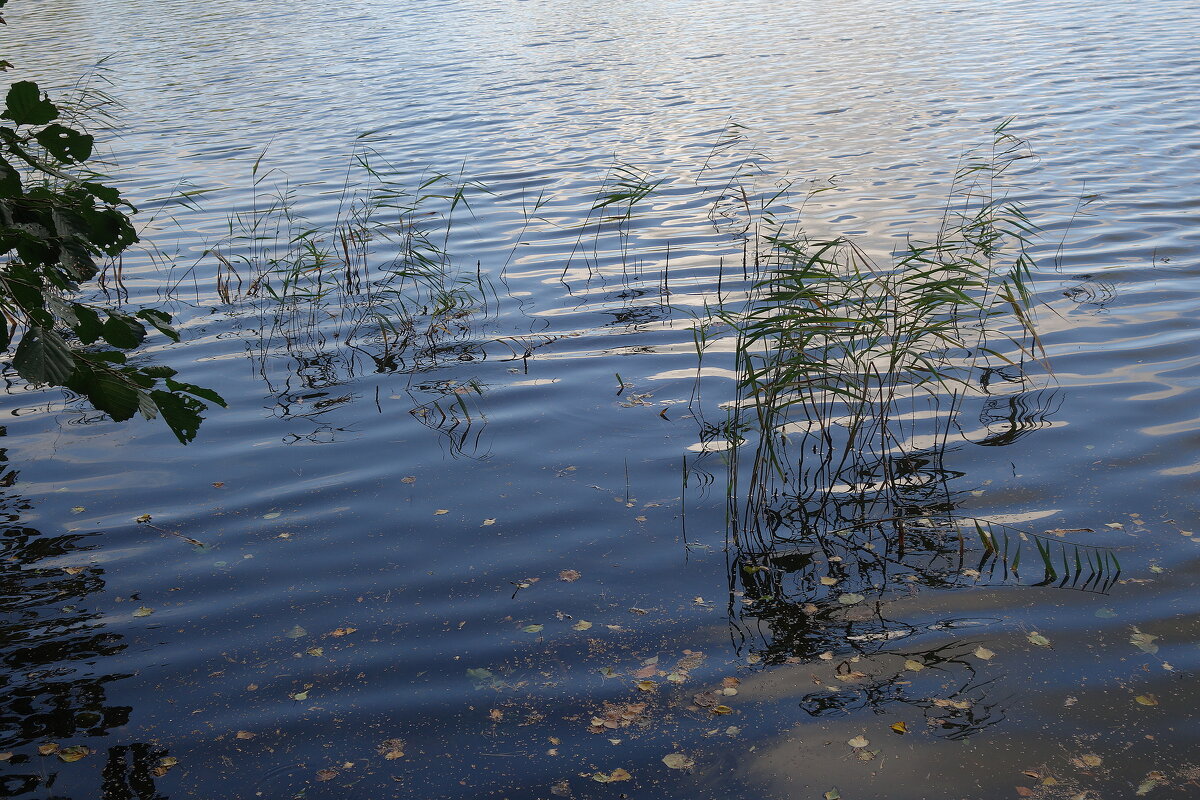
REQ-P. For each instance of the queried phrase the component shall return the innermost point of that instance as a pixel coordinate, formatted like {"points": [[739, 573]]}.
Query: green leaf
{"points": [[64, 143], [105, 194], [90, 327], [43, 357], [160, 320], [198, 391], [26, 105], [109, 392], [121, 330], [10, 180], [180, 412]]}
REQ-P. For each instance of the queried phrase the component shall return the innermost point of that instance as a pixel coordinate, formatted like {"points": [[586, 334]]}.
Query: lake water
{"points": [[479, 543]]}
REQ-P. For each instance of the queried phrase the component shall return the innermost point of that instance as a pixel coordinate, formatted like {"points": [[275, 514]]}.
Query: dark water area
{"points": [[442, 569]]}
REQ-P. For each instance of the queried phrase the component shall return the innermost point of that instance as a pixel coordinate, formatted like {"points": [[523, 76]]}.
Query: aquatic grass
{"points": [[851, 375]]}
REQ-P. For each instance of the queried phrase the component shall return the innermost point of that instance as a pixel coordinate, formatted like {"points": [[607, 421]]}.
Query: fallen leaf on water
{"points": [[302, 695], [296, 632], [164, 766], [74, 753], [1152, 780], [731, 683], [1114, 525], [441, 511], [913, 665], [961, 705], [569, 575], [828, 581], [646, 686], [78, 510], [678, 761], [971, 573], [833, 794], [677, 677], [343, 631], [409, 479], [638, 611], [315, 651], [851, 598], [272, 515], [73, 570], [1143, 641], [1147, 699], [48, 749], [391, 749], [722, 709], [984, 654], [561, 789], [244, 735], [143, 611], [617, 774], [858, 741], [1087, 761], [1025, 791], [144, 518], [809, 608], [218, 484], [496, 715], [1038, 639], [533, 628], [863, 754], [582, 625], [489, 521], [826, 656], [899, 727], [6, 755], [326, 774]]}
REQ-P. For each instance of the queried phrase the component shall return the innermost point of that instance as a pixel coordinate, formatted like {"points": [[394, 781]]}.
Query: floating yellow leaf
{"points": [[858, 741], [303, 695], [617, 774], [851, 598], [74, 753], [1038, 639], [489, 521], [315, 651], [441, 511], [244, 735], [678, 761], [142, 519], [73, 570], [343, 631], [722, 709], [984, 654], [899, 727], [828, 581], [48, 749], [913, 665], [1143, 641], [833, 794], [646, 686], [144, 611], [533, 628], [391, 749], [582, 625], [1146, 699]]}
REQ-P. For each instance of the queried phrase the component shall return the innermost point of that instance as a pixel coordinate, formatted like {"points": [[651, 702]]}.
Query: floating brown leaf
{"points": [[678, 761], [569, 575], [74, 753], [326, 774], [391, 749]]}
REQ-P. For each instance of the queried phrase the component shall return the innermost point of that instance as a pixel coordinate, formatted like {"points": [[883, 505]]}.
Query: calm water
{"points": [[373, 529]]}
